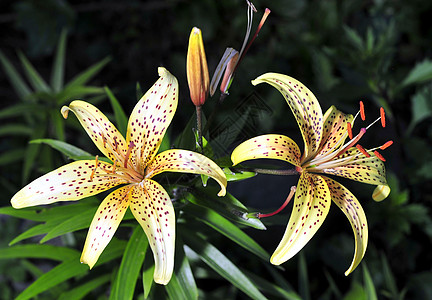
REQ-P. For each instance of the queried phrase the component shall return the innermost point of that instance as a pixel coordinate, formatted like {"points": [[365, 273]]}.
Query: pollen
{"points": [[349, 127], [377, 154], [386, 145], [362, 111], [362, 150], [382, 113]]}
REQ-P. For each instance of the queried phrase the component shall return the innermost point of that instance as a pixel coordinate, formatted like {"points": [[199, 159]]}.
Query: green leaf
{"points": [[72, 224], [147, 275], [18, 84], [420, 73], [33, 76], [85, 76], [237, 176], [81, 291], [119, 114], [69, 150], [55, 276], [58, 124], [182, 284], [76, 92], [227, 228], [15, 129], [38, 251], [17, 110], [221, 264], [139, 92], [35, 231], [389, 280], [353, 38], [368, 284], [303, 278], [12, 156], [32, 152], [57, 73], [133, 257], [227, 206]]}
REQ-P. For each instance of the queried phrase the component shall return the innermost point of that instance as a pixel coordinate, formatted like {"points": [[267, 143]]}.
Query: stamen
{"points": [[288, 199], [362, 150], [131, 145], [115, 143], [386, 145], [103, 139], [377, 154], [114, 166], [94, 170], [352, 142], [382, 117], [349, 130], [362, 112]]}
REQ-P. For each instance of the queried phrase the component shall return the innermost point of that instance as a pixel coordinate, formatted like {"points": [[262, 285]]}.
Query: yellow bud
{"points": [[196, 68]]}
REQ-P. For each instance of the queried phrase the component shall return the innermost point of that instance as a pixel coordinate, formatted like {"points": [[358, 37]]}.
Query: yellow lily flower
{"points": [[134, 164], [325, 152]]}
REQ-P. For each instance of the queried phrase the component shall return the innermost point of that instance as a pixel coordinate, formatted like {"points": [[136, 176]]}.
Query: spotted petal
{"points": [[334, 130], [150, 119], [359, 168], [105, 223], [185, 161], [311, 206], [351, 207], [267, 146], [103, 133], [304, 106], [152, 207], [67, 183]]}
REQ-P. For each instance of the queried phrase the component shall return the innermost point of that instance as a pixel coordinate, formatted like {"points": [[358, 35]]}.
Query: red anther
{"points": [[349, 130], [362, 150], [362, 112], [382, 117], [377, 154], [386, 145]]}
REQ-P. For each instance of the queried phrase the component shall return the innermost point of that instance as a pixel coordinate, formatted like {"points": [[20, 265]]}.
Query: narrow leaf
{"points": [[420, 73], [69, 150], [57, 73], [21, 88], [38, 251], [221, 264], [81, 291], [31, 152], [368, 284], [15, 129], [34, 231], [147, 275], [85, 76], [303, 278], [12, 156], [33, 76], [127, 276], [119, 114]]}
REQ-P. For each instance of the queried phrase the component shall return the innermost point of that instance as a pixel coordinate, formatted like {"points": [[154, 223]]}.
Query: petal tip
{"points": [[65, 111]]}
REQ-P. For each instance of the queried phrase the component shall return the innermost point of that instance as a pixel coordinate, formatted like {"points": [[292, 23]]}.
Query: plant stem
{"points": [[268, 171], [199, 126]]}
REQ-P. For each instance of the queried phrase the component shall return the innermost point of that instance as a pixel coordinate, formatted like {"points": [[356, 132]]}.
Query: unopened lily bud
{"points": [[196, 68]]}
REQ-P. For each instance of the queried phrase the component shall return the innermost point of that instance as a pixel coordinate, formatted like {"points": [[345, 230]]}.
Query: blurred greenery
{"points": [[55, 51]]}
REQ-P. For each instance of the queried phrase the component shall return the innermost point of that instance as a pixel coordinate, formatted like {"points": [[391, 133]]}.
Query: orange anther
{"points": [[349, 130], [362, 150], [94, 170], [386, 145], [382, 116], [131, 145], [377, 154], [362, 112]]}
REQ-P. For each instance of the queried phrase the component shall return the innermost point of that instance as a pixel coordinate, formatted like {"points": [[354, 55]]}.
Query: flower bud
{"points": [[196, 68]]}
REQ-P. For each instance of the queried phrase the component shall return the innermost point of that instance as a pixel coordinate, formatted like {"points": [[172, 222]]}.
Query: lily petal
{"points": [[364, 169], [152, 207], [334, 130], [304, 106], [67, 183], [103, 133], [381, 192], [267, 146], [150, 119], [105, 223], [311, 206], [351, 207], [185, 161]]}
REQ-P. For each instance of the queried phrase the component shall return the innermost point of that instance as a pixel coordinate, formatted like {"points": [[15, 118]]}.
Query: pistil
{"points": [[288, 199]]}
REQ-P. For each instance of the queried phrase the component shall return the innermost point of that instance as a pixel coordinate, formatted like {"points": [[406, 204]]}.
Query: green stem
{"points": [[268, 171], [199, 126]]}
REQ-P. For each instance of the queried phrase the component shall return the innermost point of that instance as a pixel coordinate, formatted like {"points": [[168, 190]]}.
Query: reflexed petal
{"points": [[267, 146], [103, 133], [185, 161], [304, 106], [311, 206], [381, 192], [361, 168], [334, 130], [105, 223], [150, 119], [153, 209], [351, 207], [67, 183]]}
